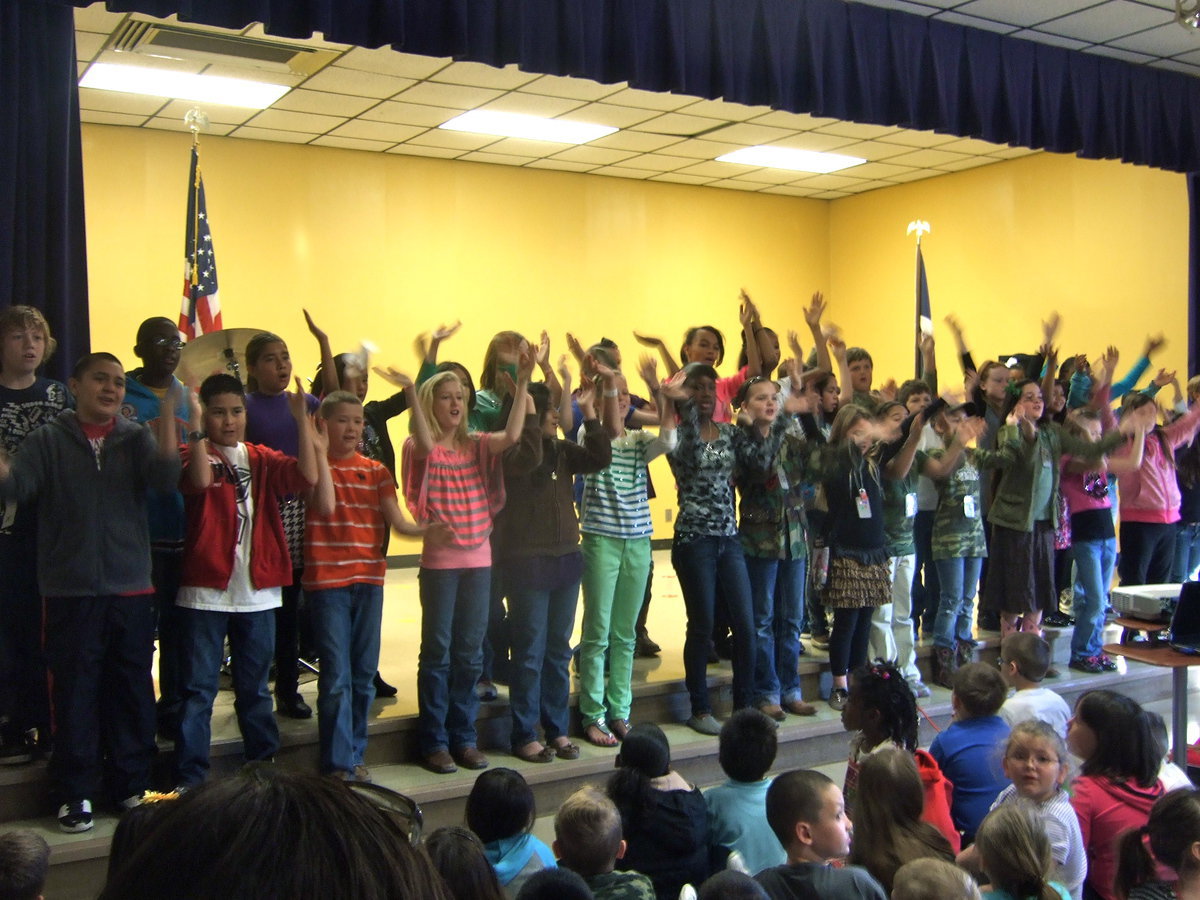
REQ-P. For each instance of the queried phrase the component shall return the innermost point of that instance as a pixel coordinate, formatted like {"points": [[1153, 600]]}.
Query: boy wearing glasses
{"points": [[158, 347]]}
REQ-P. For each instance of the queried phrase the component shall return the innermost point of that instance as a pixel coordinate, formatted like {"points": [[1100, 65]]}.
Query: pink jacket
{"points": [[1151, 493], [1107, 809]]}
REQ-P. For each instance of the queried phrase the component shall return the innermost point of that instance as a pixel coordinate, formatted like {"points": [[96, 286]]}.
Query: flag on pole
{"points": [[200, 311], [924, 316]]}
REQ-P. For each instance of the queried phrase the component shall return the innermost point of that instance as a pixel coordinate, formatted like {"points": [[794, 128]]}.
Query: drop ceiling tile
{"points": [[903, 6], [831, 195], [455, 96], [610, 114], [868, 186], [453, 140], [533, 104], [1116, 53], [1178, 66], [101, 117], [788, 190], [772, 176], [632, 140], [500, 159], [283, 78], [1192, 57], [857, 130], [622, 172], [967, 162], [115, 101], [270, 134], [257, 31], [561, 165], [526, 148], [1105, 21], [411, 149], [873, 150], [677, 178], [715, 169], [473, 74], [97, 18], [750, 135], [698, 148], [80, 68], [722, 109], [1166, 40], [410, 113], [349, 143], [649, 99], [387, 132], [225, 115], [734, 184], [1052, 40], [829, 182], [322, 102], [1021, 12], [812, 140], [386, 61], [912, 138], [357, 83], [283, 120], [571, 88], [598, 156], [678, 124], [795, 121], [88, 44], [1013, 152], [970, 145], [921, 158], [915, 175], [659, 162], [973, 22], [878, 170]]}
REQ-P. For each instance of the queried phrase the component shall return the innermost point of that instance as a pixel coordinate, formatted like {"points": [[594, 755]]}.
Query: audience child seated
{"points": [[458, 856], [501, 811], [24, 862], [730, 884], [1015, 855], [737, 809], [882, 712], [555, 884], [969, 750], [238, 838], [664, 818], [1024, 660], [90, 471], [933, 879], [888, 830], [235, 562], [807, 814], [1035, 760], [1173, 831], [587, 840], [1169, 774], [1118, 781]]}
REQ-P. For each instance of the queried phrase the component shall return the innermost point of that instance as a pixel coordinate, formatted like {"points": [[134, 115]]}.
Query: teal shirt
{"points": [[737, 820]]}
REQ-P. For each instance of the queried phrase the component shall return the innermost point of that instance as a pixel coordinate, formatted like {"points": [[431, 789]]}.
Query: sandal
{"points": [[619, 728], [597, 733], [545, 755], [565, 750]]}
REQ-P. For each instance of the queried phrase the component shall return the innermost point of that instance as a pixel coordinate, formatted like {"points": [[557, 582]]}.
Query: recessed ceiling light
{"points": [[534, 128], [787, 158], [158, 82]]}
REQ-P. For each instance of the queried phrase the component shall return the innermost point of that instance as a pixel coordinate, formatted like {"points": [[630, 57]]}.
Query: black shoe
{"points": [[1058, 620], [989, 621], [75, 816], [382, 688], [17, 751], [293, 707], [646, 648]]}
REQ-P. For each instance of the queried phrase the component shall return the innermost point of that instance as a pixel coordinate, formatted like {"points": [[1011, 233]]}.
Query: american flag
{"points": [[200, 311]]}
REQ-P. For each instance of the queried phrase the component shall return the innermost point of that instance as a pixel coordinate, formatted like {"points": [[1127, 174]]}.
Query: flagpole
{"points": [[919, 227]]}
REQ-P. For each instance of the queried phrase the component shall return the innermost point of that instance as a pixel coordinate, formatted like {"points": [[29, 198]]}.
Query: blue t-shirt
{"points": [[970, 753], [737, 820]]}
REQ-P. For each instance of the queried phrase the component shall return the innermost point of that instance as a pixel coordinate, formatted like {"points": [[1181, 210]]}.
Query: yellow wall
{"points": [[1102, 242]]}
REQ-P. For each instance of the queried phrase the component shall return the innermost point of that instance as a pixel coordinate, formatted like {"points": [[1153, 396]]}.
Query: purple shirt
{"points": [[269, 421]]}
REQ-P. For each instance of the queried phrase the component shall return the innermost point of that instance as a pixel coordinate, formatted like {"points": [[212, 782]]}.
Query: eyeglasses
{"points": [[1038, 759], [173, 343]]}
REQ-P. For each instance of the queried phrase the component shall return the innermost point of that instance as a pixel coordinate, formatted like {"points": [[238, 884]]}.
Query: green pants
{"points": [[614, 583]]}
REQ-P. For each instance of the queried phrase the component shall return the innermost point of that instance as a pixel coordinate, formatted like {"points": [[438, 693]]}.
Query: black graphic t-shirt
{"points": [[22, 412]]}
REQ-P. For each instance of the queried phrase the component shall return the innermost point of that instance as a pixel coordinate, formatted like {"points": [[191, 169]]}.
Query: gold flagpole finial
{"points": [[920, 226], [196, 119]]}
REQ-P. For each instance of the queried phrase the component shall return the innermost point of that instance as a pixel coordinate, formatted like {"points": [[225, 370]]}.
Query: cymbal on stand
{"points": [[216, 352]]}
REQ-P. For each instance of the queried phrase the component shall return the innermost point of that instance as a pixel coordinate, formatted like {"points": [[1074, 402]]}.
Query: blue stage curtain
{"points": [[43, 254]]}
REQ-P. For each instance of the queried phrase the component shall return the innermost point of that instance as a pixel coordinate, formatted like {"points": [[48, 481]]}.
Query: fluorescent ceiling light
{"points": [[787, 158], [182, 85], [534, 128]]}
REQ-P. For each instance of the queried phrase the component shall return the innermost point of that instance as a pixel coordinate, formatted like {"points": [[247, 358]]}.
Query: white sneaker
{"points": [[75, 816]]}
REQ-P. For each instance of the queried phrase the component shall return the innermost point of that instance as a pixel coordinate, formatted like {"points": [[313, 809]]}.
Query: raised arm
{"points": [[838, 346], [329, 379], [548, 376], [657, 343], [960, 344], [307, 457], [321, 497], [943, 466], [499, 441], [199, 472], [748, 316], [899, 465], [422, 434], [566, 414], [610, 411], [928, 350], [1123, 465], [812, 316]]}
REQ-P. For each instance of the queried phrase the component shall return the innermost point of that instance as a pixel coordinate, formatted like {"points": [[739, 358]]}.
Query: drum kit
{"points": [[215, 352]]}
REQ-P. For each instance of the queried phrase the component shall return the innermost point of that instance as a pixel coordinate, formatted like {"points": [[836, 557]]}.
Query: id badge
{"points": [[969, 506], [863, 504], [910, 505]]}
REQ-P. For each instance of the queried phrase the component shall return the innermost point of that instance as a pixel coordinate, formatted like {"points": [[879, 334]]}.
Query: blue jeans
{"points": [[541, 625], [699, 565], [777, 591], [345, 622], [251, 646], [1094, 561], [454, 619], [1187, 553], [957, 581]]}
